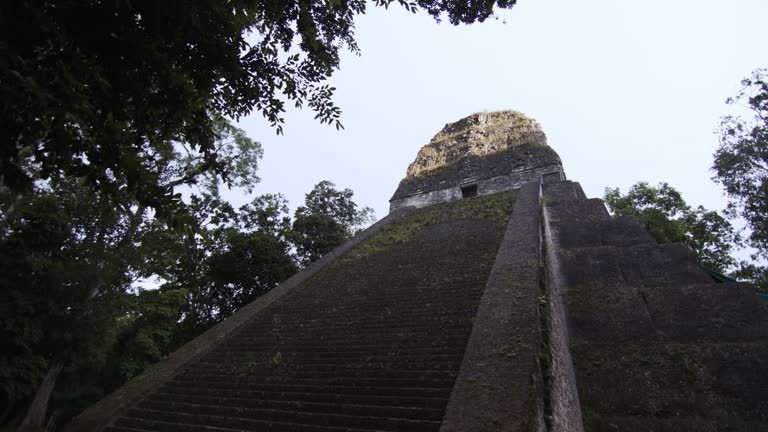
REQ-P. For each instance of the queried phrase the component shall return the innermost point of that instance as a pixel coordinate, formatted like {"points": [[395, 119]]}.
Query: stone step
{"points": [[438, 338], [714, 312], [305, 367], [305, 360], [260, 409], [314, 365], [404, 360], [356, 390], [563, 191], [431, 336], [662, 380], [228, 397], [314, 315], [379, 316], [309, 357], [423, 290], [124, 429], [343, 335], [407, 306], [413, 347], [619, 232], [640, 265], [444, 292], [449, 323], [332, 381], [125, 423], [313, 312], [290, 417], [588, 211], [256, 371], [673, 422], [608, 313]]}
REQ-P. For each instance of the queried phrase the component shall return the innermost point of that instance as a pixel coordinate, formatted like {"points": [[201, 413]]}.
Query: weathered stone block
{"points": [[715, 312], [562, 191], [607, 313], [578, 211], [641, 265], [622, 231]]}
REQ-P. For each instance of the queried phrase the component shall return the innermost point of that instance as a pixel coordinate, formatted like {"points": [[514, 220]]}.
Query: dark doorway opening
{"points": [[469, 191]]}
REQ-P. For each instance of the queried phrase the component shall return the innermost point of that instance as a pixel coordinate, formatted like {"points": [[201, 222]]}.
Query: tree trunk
{"points": [[35, 417]]}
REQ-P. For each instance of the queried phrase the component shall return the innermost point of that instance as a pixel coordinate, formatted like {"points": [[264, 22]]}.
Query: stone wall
{"points": [[502, 170], [656, 343]]}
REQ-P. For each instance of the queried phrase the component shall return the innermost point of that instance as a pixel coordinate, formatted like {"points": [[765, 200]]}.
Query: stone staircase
{"points": [[370, 343], [656, 344]]}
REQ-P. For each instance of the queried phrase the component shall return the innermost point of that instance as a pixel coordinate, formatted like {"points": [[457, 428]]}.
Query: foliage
{"points": [[147, 328], [140, 335], [228, 274], [328, 218], [756, 274], [667, 217], [741, 160], [65, 258], [463, 12], [316, 234], [267, 213], [97, 89], [325, 199], [69, 254], [494, 206]]}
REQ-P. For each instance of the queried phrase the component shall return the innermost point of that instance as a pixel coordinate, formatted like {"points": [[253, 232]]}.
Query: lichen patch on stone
{"points": [[477, 135]]}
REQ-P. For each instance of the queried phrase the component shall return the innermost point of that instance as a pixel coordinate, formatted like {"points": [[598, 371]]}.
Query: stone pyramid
{"points": [[494, 297]]}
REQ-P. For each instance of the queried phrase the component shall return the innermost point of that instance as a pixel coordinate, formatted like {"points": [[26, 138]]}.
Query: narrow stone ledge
{"points": [[562, 394]]}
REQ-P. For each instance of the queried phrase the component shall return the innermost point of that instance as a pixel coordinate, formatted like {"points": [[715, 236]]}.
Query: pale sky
{"points": [[625, 91]]}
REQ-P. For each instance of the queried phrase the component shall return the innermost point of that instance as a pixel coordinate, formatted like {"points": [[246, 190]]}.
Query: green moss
{"points": [[493, 206]]}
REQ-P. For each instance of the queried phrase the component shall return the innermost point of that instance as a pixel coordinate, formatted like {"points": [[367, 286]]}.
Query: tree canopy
{"points": [[663, 212], [98, 89], [741, 160], [70, 255], [328, 218]]}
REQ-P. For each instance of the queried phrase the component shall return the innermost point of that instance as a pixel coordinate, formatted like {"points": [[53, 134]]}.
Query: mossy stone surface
{"points": [[494, 206]]}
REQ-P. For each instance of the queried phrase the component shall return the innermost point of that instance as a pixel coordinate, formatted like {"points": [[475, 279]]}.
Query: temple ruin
{"points": [[495, 296]]}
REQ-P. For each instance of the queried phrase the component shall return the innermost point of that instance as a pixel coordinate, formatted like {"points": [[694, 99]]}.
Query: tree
{"points": [[328, 218], [250, 264], [140, 331], [741, 160], [70, 253], [667, 217], [267, 213], [325, 199], [96, 90], [316, 234], [65, 257], [233, 257]]}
